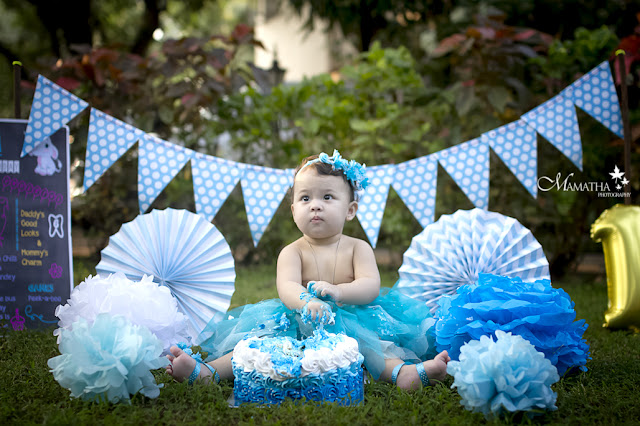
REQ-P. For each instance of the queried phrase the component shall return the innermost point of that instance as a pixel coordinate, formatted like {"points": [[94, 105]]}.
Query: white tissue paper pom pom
{"points": [[505, 375], [142, 302], [109, 359]]}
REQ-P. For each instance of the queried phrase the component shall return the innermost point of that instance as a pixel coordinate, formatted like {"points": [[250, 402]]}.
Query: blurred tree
{"points": [[363, 21], [131, 26], [130, 59], [394, 22]]}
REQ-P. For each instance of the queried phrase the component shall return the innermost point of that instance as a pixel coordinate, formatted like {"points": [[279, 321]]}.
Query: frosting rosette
{"points": [[143, 302], [536, 311], [508, 374], [108, 359]]}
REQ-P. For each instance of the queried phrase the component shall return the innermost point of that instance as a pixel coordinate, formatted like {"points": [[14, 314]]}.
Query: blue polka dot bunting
{"points": [[52, 108], [373, 200], [556, 120], [595, 93], [158, 162], [415, 182], [213, 180], [468, 165], [108, 139], [516, 145], [263, 189]]}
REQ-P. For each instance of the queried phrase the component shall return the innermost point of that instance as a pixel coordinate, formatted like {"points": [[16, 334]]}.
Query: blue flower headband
{"points": [[355, 172]]}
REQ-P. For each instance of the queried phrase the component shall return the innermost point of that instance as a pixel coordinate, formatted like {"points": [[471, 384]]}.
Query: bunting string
{"points": [[264, 188]]}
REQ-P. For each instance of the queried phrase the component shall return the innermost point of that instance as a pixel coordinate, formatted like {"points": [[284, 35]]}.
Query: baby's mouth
{"points": [[316, 219]]}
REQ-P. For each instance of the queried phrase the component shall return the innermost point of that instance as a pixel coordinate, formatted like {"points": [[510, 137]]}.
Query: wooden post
{"points": [[624, 107], [16, 88]]}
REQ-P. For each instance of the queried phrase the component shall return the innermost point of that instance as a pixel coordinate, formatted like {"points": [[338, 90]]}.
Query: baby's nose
{"points": [[316, 205]]}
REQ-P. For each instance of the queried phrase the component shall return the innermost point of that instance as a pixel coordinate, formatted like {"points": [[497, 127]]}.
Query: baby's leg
{"points": [[408, 377], [181, 366]]}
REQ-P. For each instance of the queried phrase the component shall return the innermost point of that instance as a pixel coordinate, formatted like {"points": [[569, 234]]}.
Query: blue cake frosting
{"points": [[325, 367]]}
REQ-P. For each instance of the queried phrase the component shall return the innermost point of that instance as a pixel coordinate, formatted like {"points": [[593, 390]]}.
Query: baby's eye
{"points": [[304, 198], [328, 197]]}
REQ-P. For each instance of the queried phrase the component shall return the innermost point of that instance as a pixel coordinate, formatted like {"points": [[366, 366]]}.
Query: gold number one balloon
{"points": [[618, 228]]}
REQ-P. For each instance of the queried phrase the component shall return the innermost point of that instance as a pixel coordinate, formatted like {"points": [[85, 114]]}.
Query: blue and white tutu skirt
{"points": [[392, 326]]}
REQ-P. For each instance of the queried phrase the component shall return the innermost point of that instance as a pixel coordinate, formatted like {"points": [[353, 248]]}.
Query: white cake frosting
{"points": [[282, 358]]}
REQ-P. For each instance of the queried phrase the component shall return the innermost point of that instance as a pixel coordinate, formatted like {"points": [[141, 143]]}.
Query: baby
{"points": [[326, 277]]}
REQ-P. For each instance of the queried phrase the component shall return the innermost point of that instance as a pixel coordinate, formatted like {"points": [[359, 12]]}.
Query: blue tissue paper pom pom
{"points": [[536, 311], [109, 359], [505, 375]]}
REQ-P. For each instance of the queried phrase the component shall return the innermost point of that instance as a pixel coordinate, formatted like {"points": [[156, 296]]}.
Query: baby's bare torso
{"points": [[332, 263]]}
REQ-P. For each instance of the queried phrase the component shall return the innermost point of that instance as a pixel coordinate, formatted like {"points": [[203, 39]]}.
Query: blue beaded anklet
{"points": [[424, 379], [423, 375], [195, 373]]}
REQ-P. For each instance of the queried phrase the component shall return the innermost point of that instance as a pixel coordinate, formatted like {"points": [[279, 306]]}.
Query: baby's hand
{"points": [[325, 290], [317, 311]]}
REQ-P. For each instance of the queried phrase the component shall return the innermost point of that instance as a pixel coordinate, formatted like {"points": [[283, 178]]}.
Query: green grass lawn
{"points": [[607, 394]]}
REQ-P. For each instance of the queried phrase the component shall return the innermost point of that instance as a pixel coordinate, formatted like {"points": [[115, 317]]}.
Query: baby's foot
{"points": [[181, 364], [436, 369]]}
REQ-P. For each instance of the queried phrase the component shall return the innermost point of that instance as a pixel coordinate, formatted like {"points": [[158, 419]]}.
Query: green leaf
{"points": [[465, 100], [499, 97], [362, 126]]}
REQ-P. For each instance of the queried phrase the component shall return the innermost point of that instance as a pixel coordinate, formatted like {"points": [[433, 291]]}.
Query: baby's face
{"points": [[321, 204]]}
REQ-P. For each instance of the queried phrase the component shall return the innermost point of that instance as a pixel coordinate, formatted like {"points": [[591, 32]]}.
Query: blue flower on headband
{"points": [[355, 172]]}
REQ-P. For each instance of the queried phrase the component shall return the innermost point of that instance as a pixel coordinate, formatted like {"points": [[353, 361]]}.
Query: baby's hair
{"points": [[323, 169]]}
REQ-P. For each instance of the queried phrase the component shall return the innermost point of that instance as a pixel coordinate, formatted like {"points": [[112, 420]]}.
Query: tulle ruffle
{"points": [[144, 303], [536, 311], [392, 326], [505, 375], [108, 359]]}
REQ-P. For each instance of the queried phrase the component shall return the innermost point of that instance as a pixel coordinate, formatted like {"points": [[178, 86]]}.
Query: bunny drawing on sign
{"points": [[48, 162]]}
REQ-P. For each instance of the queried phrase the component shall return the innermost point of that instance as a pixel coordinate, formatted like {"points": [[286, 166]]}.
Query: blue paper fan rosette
{"points": [[543, 315], [182, 251], [455, 249]]}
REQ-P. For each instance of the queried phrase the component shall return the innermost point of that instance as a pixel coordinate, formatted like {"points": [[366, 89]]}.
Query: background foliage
{"points": [[431, 75]]}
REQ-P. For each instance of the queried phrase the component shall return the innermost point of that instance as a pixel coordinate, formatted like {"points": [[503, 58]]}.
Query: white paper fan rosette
{"points": [[453, 250], [182, 251]]}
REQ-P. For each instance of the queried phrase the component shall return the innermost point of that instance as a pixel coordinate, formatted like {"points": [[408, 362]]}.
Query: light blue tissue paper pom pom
{"points": [[505, 375], [108, 360], [543, 315]]}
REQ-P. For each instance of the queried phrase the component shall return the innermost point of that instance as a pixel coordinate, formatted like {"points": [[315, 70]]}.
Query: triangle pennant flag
{"points": [[595, 93], [263, 189], [556, 120], [374, 200], [213, 180], [415, 181], [158, 162], [516, 145], [108, 139], [52, 108], [468, 165]]}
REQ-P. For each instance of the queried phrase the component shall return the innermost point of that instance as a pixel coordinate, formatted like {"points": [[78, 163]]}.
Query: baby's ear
{"points": [[353, 209]]}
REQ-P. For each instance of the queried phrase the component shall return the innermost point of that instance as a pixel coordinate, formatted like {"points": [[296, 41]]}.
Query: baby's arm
{"points": [[366, 284], [288, 282]]}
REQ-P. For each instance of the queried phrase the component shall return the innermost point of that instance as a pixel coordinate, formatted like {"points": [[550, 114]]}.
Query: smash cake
{"points": [[325, 367]]}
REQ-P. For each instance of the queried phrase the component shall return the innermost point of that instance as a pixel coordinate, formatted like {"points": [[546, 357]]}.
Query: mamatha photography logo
{"points": [[615, 186]]}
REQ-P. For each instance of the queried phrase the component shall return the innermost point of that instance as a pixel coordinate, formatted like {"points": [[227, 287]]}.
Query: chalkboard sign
{"points": [[36, 272]]}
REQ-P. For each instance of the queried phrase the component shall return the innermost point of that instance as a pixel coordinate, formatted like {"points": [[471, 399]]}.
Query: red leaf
{"points": [[448, 44], [186, 98], [241, 31], [482, 32], [68, 83], [524, 35], [631, 47]]}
